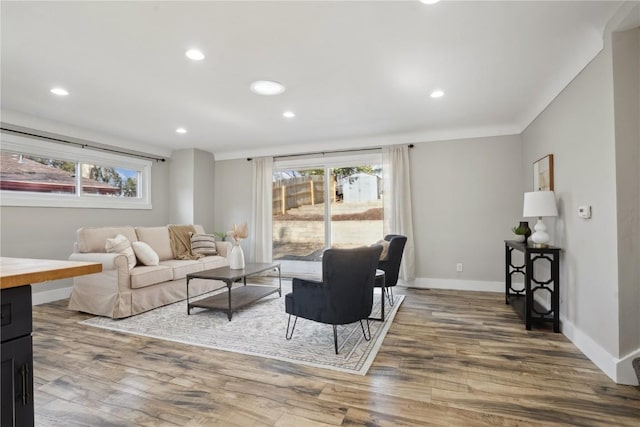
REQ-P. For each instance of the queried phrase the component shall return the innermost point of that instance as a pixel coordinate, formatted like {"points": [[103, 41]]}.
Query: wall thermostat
{"points": [[584, 212]]}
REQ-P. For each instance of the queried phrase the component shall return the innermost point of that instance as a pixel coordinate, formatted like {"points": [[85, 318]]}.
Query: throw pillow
{"points": [[385, 249], [145, 253], [203, 244], [121, 245]]}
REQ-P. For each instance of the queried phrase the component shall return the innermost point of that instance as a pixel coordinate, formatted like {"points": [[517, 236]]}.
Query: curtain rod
{"points": [[83, 145], [325, 152]]}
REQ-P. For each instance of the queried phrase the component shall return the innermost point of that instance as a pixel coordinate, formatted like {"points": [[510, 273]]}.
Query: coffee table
{"points": [[238, 297]]}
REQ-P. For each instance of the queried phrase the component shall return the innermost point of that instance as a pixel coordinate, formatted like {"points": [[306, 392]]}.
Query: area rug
{"points": [[259, 330]]}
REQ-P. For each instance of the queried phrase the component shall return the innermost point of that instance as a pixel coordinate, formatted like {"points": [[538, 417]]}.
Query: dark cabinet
{"points": [[17, 358], [17, 382]]}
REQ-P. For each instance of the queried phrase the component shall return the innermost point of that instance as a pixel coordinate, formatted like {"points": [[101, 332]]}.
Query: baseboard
{"points": [[624, 369], [598, 355], [619, 370], [38, 298], [455, 284]]}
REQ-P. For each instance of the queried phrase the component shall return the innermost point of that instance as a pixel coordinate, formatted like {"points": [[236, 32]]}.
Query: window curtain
{"points": [[397, 203], [261, 235]]}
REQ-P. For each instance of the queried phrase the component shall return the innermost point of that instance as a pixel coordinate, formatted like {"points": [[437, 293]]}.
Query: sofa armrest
{"points": [[223, 248], [115, 271], [109, 260]]}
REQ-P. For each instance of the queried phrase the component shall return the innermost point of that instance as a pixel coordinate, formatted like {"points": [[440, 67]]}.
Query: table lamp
{"points": [[539, 204]]}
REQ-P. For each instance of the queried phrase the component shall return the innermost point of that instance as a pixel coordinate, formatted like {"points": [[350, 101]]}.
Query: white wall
{"points": [[579, 128], [191, 189], [626, 83], [233, 190], [466, 197], [204, 190], [181, 187], [467, 194]]}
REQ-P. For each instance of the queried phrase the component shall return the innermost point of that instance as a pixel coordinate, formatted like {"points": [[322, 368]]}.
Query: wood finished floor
{"points": [[450, 358]]}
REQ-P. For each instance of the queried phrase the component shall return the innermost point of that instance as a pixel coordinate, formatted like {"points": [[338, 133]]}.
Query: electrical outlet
{"points": [[459, 267]]}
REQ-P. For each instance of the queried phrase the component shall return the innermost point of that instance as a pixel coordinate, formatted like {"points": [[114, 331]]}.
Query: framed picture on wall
{"points": [[543, 174]]}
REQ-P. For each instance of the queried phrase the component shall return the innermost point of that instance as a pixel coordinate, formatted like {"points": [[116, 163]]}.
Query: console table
{"points": [[16, 274], [523, 300]]}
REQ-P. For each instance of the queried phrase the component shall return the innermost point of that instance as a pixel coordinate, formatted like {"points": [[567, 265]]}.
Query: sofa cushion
{"points": [[142, 276], [94, 239], [145, 253], [182, 267], [214, 261], [203, 244], [121, 245], [158, 239]]}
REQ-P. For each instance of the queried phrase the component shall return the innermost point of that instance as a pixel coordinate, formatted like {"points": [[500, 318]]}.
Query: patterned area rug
{"points": [[259, 330]]}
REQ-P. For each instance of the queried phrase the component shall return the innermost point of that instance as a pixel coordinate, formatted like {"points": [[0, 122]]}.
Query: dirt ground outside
{"points": [[299, 234]]}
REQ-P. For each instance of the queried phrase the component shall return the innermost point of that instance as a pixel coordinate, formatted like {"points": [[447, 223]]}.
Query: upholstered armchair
{"points": [[345, 294], [391, 263]]}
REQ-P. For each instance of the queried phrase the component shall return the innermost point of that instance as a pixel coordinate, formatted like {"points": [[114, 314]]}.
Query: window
{"points": [[329, 202], [39, 173]]}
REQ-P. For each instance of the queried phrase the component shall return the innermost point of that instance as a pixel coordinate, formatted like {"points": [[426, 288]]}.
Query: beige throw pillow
{"points": [[203, 244], [121, 245], [385, 249], [145, 254]]}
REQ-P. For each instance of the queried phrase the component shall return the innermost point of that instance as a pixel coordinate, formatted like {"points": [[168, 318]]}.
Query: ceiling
{"points": [[357, 73]]}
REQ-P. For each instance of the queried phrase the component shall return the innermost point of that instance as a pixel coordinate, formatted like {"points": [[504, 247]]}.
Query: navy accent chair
{"points": [[391, 264], [345, 294]]}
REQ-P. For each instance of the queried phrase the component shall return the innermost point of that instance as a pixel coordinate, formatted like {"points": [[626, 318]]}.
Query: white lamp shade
{"points": [[539, 204]]}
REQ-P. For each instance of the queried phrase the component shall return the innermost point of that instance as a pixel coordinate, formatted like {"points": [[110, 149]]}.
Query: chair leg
{"points": [[335, 338], [287, 334], [390, 296], [368, 330]]}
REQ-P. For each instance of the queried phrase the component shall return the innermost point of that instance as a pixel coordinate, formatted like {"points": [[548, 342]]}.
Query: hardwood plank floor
{"points": [[450, 358]]}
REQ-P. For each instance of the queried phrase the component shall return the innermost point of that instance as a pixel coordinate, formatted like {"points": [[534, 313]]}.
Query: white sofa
{"points": [[118, 291]]}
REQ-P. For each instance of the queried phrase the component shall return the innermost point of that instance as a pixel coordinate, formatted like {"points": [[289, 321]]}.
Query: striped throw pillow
{"points": [[121, 245], [203, 244]]}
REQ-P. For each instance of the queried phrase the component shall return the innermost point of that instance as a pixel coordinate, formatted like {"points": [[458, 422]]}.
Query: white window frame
{"points": [[40, 148]]}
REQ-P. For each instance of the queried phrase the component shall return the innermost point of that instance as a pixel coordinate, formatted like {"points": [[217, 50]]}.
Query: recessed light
{"points": [[429, 1], [437, 94], [267, 87], [181, 130], [195, 54], [60, 91], [289, 114]]}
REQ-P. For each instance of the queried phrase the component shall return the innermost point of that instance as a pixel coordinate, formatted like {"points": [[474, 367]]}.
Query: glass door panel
{"points": [[357, 210], [299, 218], [336, 203]]}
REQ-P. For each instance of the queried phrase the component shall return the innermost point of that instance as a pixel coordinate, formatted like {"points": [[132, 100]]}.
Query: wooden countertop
{"points": [[24, 271]]}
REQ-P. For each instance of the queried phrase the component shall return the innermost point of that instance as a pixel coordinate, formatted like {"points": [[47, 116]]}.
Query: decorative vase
{"points": [[236, 257], [525, 224]]}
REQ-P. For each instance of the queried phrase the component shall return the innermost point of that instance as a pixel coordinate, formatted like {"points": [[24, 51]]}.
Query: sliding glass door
{"points": [[322, 203], [298, 214]]}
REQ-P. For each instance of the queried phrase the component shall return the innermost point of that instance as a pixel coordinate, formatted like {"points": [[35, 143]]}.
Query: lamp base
{"points": [[540, 238]]}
